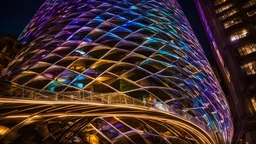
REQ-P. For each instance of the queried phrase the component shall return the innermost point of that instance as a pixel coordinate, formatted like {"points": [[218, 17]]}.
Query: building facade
{"points": [[118, 52], [230, 26]]}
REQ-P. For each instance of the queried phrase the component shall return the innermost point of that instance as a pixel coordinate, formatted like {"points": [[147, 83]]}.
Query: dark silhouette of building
{"points": [[9, 48], [230, 26]]}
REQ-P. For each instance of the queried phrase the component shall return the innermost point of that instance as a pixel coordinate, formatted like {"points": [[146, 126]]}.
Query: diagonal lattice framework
{"points": [[144, 49], [61, 123]]}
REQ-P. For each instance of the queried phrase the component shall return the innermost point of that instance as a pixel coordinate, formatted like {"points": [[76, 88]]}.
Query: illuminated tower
{"points": [[138, 50]]}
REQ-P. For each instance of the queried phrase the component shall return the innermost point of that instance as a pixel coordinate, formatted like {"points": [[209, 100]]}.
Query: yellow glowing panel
{"points": [[253, 100], [3, 130], [92, 139]]}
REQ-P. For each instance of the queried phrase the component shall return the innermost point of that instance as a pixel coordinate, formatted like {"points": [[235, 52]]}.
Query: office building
{"points": [[9, 48], [230, 26]]}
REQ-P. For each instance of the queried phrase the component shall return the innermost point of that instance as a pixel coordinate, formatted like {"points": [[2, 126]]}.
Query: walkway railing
{"points": [[14, 91]]}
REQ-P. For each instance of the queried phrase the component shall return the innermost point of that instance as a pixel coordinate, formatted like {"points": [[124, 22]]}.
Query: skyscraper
{"points": [[129, 71], [230, 26]]}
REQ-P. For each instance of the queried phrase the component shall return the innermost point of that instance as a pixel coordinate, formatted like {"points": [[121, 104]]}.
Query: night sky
{"points": [[16, 14]]}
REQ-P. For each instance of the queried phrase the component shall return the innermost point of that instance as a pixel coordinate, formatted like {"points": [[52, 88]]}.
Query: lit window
{"points": [[218, 2], [239, 34], [228, 14], [247, 49], [253, 100], [232, 22], [249, 4], [251, 13], [225, 7], [249, 68]]}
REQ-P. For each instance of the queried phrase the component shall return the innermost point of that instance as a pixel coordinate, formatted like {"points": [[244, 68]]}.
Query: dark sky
{"points": [[15, 15], [190, 11]]}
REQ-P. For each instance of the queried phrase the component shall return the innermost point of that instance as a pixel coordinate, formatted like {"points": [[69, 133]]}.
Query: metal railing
{"points": [[13, 91]]}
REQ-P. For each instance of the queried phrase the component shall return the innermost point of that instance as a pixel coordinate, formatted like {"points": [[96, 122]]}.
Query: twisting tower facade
{"points": [[143, 50]]}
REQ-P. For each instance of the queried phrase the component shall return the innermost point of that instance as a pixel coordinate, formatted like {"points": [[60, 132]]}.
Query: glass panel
{"points": [[218, 2], [98, 68], [81, 65], [121, 69], [106, 129], [249, 68], [66, 77], [228, 14], [53, 71], [80, 81], [136, 74], [123, 85], [55, 87], [39, 82], [247, 49], [239, 34], [249, 4], [232, 22], [118, 125], [251, 13], [223, 8], [24, 77]]}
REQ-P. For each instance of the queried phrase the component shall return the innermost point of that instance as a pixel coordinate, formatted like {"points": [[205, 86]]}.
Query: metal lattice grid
{"points": [[143, 49]]}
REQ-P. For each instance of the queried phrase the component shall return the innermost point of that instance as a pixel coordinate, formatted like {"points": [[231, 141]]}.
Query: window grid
{"points": [[239, 34], [249, 4], [218, 2], [228, 14], [223, 8], [232, 22], [247, 49], [249, 68], [251, 13]]}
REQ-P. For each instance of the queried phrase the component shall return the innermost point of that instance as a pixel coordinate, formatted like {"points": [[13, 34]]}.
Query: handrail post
{"points": [[102, 99], [11, 89], [23, 93]]}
